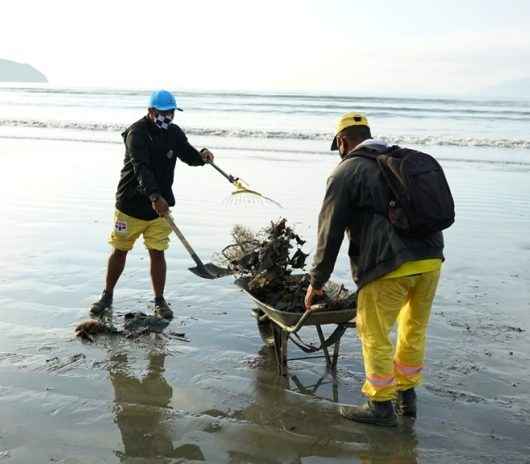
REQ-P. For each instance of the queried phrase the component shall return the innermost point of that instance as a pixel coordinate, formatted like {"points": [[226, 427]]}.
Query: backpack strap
{"points": [[387, 160], [370, 153]]}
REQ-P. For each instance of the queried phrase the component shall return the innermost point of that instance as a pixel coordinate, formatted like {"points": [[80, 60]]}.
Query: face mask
{"points": [[162, 121]]}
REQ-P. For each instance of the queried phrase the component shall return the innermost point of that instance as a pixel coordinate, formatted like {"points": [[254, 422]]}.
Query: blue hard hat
{"points": [[163, 100]]}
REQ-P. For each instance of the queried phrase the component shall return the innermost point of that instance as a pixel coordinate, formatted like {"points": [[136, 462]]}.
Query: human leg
{"points": [[156, 239], [158, 272], [125, 232], [410, 351], [412, 330], [378, 306], [115, 266]]}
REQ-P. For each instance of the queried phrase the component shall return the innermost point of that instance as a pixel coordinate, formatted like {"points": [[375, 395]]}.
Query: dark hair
{"points": [[356, 132]]}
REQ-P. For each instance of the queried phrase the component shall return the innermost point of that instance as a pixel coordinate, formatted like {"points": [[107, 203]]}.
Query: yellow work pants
{"points": [[380, 303]]}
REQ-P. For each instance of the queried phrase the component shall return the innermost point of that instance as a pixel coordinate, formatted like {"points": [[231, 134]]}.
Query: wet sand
{"points": [[217, 398]]}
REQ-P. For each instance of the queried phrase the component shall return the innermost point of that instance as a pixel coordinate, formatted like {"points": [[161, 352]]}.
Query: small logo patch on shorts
{"points": [[170, 154], [120, 227]]}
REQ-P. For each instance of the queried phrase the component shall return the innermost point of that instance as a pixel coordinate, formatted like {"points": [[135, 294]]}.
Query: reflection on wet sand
{"points": [[299, 428], [291, 419], [313, 388], [142, 411]]}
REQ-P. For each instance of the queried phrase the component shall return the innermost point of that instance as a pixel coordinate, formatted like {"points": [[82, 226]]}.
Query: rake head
{"points": [[243, 196]]}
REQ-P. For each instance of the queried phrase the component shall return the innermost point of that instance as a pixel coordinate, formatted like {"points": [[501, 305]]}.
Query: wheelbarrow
{"points": [[278, 327]]}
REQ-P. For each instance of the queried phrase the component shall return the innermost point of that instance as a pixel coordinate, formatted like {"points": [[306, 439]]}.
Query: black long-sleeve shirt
{"points": [[149, 166]]}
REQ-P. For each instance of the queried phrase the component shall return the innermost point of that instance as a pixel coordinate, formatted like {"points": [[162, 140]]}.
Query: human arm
{"points": [[333, 220], [311, 294], [189, 154]]}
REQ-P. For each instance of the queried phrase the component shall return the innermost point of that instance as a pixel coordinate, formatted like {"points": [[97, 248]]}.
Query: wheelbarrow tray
{"points": [[317, 317]]}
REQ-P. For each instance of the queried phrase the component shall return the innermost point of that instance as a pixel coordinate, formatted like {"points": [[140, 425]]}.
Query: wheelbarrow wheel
{"points": [[265, 329]]}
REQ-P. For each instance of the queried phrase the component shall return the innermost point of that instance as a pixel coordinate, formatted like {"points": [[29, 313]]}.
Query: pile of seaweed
{"points": [[269, 260], [135, 324]]}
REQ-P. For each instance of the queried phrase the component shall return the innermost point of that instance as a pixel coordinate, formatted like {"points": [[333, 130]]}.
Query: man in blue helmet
{"points": [[145, 194]]}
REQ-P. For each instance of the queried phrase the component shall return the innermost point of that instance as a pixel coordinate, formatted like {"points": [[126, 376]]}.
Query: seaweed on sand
{"points": [[134, 325], [268, 259]]}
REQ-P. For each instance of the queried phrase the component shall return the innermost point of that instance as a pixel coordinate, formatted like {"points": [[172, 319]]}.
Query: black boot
{"points": [[373, 412], [162, 309], [406, 403], [100, 306]]}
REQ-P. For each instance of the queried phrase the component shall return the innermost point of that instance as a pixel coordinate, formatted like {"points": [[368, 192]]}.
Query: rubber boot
{"points": [[406, 403], [103, 304], [373, 412], [162, 309]]}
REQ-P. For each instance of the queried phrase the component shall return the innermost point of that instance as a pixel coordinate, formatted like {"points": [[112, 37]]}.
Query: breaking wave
{"points": [[272, 134]]}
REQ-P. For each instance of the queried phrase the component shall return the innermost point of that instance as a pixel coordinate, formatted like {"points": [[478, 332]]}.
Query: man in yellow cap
{"points": [[396, 275]]}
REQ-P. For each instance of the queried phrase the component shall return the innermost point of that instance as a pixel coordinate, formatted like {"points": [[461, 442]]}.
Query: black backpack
{"points": [[420, 199]]}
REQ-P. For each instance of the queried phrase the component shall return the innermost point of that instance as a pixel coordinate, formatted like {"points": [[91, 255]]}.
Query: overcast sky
{"points": [[376, 46]]}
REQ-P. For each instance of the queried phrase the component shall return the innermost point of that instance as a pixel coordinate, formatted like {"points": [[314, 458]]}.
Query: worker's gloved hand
{"points": [[310, 296], [206, 155], [160, 205]]}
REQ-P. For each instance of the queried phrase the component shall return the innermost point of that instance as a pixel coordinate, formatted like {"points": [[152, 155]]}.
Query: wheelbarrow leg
{"points": [[285, 340], [324, 348], [336, 349], [277, 346], [280, 349], [335, 390]]}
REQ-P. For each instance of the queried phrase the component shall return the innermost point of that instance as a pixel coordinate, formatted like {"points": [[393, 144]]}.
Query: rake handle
{"points": [[230, 177]]}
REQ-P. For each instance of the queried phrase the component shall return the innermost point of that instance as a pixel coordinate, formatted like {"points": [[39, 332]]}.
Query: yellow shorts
{"points": [[127, 229]]}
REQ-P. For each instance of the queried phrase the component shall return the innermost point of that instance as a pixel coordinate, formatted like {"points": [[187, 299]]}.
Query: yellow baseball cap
{"points": [[347, 120]]}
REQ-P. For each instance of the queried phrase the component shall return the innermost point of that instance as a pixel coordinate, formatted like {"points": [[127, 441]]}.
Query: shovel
{"points": [[206, 271]]}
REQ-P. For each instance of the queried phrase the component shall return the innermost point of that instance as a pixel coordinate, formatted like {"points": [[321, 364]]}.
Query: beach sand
{"points": [[218, 398]]}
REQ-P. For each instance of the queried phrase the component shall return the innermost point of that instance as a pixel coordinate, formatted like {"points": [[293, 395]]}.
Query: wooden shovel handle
{"points": [[181, 237]]}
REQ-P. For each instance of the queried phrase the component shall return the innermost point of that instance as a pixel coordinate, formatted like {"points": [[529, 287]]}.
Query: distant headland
{"points": [[11, 71]]}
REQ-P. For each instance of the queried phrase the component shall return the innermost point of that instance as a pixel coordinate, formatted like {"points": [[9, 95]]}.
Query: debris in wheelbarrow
{"points": [[266, 261]]}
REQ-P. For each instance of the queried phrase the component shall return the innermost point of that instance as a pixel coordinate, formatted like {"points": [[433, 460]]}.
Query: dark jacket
{"points": [[149, 166], [356, 202]]}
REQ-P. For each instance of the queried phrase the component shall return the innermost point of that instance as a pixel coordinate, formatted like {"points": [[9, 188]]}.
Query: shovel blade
{"points": [[210, 271]]}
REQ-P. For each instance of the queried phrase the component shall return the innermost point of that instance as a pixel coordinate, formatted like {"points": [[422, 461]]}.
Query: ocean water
{"points": [[298, 122], [218, 397]]}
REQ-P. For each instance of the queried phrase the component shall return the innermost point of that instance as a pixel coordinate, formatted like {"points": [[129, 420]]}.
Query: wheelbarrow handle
{"points": [[295, 328], [300, 323], [181, 237]]}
